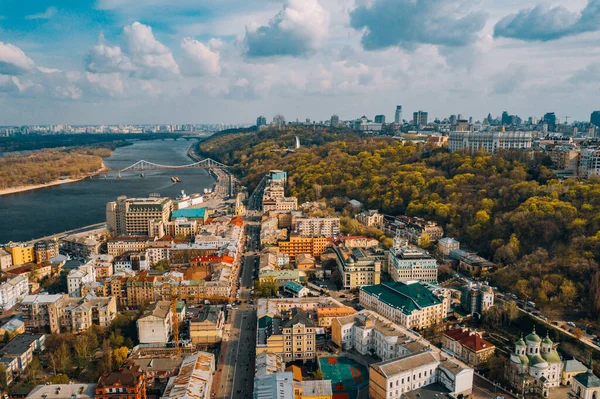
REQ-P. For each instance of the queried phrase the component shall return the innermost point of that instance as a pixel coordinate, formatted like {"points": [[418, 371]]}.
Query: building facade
{"points": [[13, 291], [489, 141], [467, 346], [126, 383], [358, 267], [317, 227], [408, 262]]}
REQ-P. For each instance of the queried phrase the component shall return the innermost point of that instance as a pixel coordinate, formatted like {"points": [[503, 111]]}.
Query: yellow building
{"points": [[320, 389], [207, 328], [303, 245], [325, 316], [21, 253], [297, 339]]}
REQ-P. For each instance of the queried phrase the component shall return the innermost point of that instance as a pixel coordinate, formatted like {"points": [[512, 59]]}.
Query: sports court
{"points": [[347, 376]]}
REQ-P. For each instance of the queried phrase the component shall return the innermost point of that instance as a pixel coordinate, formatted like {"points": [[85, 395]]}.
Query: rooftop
{"points": [[127, 377], [190, 213], [407, 296], [193, 379], [63, 391], [405, 363]]}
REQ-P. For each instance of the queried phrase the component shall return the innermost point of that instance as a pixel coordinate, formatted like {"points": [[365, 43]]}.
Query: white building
{"points": [[370, 218], [84, 274], [408, 262], [13, 291], [194, 379], [447, 245], [391, 379], [5, 259], [316, 227], [156, 324], [489, 141]]}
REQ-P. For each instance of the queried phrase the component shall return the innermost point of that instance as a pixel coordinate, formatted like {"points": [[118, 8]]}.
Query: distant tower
{"points": [[335, 120], [297, 142], [261, 121], [279, 120], [420, 118], [595, 118], [398, 116], [380, 119]]}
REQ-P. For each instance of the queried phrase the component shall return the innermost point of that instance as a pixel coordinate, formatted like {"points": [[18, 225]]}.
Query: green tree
{"points": [[33, 369], [3, 378], [568, 292], [120, 355], [425, 241], [60, 379], [318, 374]]}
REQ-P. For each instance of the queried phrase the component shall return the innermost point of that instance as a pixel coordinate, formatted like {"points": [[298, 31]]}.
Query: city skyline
{"points": [[114, 61]]}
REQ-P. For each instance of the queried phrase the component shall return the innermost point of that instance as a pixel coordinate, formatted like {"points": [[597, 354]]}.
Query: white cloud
{"points": [[152, 58], [105, 84], [104, 58], [13, 60], [49, 13], [202, 59], [48, 70], [299, 29]]}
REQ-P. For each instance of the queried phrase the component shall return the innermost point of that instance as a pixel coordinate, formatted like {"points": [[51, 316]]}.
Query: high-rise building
{"points": [[261, 121], [379, 118], [505, 118], [550, 119], [398, 116], [279, 120], [335, 120], [595, 118], [453, 119], [489, 141], [130, 216], [420, 118]]}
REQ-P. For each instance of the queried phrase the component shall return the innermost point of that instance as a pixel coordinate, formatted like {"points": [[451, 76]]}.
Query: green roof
{"points": [[551, 357], [533, 337], [520, 342], [407, 296], [588, 380], [536, 359], [264, 321], [547, 340], [294, 286], [190, 213]]}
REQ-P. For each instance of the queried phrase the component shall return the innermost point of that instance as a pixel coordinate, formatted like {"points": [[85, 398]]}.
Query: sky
{"points": [[229, 61]]}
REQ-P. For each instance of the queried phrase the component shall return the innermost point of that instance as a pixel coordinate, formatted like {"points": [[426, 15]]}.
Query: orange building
{"points": [[127, 383], [325, 316], [303, 245]]}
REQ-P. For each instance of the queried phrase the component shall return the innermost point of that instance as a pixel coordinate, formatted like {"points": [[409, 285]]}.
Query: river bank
{"points": [[19, 189]]}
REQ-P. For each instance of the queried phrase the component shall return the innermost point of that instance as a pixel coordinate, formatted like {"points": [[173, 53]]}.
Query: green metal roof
{"points": [[294, 286], [588, 380], [408, 296], [536, 359], [547, 341], [552, 357], [533, 337]]}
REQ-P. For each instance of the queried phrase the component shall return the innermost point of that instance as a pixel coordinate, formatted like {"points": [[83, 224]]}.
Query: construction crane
{"points": [[175, 320], [567, 120]]}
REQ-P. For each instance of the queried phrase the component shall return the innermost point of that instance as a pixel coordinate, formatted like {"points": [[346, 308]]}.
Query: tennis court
{"points": [[347, 376]]}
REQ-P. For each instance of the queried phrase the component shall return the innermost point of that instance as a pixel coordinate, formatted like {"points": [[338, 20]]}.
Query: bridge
{"points": [[145, 165]]}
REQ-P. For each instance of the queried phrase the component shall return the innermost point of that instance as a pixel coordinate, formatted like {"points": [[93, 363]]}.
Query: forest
{"points": [[50, 165], [542, 233]]}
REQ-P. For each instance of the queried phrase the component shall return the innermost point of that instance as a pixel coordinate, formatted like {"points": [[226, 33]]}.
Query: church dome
{"points": [[552, 357], [547, 341], [538, 361], [533, 337]]}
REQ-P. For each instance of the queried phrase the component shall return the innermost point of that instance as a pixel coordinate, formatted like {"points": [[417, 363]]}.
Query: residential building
{"points": [[285, 204], [155, 326], [21, 253], [595, 118], [334, 121], [371, 334], [39, 312], [130, 216], [447, 245], [261, 121], [358, 267], [467, 346], [194, 379], [295, 289], [207, 327], [398, 115], [293, 337], [313, 389], [303, 245], [370, 218], [83, 244], [84, 274], [411, 304], [471, 263], [45, 250], [13, 290], [63, 391], [305, 262], [103, 265], [408, 262], [317, 226], [415, 230], [128, 383], [14, 326], [5, 259], [420, 118], [119, 245], [535, 366], [489, 141], [571, 368], [476, 298], [392, 379], [380, 119], [356, 242], [326, 316], [274, 386], [18, 353], [281, 277], [585, 386]]}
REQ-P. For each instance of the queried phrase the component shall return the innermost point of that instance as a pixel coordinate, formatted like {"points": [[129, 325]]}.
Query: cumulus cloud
{"points": [[13, 60], [202, 59], [142, 55], [49, 13], [543, 23], [510, 80], [410, 23], [152, 58], [298, 30]]}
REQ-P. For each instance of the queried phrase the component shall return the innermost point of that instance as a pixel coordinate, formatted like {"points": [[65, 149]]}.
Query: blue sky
{"points": [[207, 61]]}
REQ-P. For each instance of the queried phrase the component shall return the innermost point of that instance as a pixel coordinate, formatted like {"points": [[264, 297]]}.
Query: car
{"points": [[571, 324]]}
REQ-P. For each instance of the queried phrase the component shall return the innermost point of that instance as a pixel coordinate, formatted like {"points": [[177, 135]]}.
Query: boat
{"points": [[175, 179], [143, 175]]}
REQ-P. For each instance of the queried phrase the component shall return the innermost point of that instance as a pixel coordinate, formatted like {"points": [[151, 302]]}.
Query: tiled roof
{"points": [[408, 296], [405, 363]]}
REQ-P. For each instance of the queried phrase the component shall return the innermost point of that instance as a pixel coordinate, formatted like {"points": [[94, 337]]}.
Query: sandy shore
{"points": [[13, 190]]}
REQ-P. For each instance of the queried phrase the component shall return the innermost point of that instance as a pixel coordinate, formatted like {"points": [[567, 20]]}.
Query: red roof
{"points": [[457, 334], [476, 343]]}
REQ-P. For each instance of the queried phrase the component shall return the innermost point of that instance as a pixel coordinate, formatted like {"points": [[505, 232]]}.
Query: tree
{"points": [[510, 312], [3, 378], [83, 350], [595, 295], [61, 359], [120, 355], [318, 374], [60, 379], [106, 362], [425, 241], [34, 368], [578, 332], [568, 292], [523, 289], [497, 367], [492, 316], [116, 339]]}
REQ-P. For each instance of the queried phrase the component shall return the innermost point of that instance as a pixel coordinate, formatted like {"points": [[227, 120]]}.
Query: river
{"points": [[42, 212]]}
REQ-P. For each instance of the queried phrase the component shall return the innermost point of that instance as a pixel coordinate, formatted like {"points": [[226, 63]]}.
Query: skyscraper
{"points": [[261, 121], [550, 119], [335, 120], [505, 118], [595, 118], [420, 118], [398, 116], [380, 119]]}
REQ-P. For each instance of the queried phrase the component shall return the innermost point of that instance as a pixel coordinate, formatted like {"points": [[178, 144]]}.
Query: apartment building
{"points": [[83, 244], [408, 262], [103, 265], [285, 204], [392, 379], [39, 312], [84, 274], [5, 259], [326, 315], [21, 253], [489, 141], [303, 245], [130, 216], [194, 379], [414, 230], [411, 304], [119, 245], [369, 333], [127, 383], [370, 218], [467, 346], [156, 325], [476, 298], [19, 352], [316, 227], [447, 245], [356, 242], [207, 327], [293, 339], [358, 267], [13, 291], [45, 250]]}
